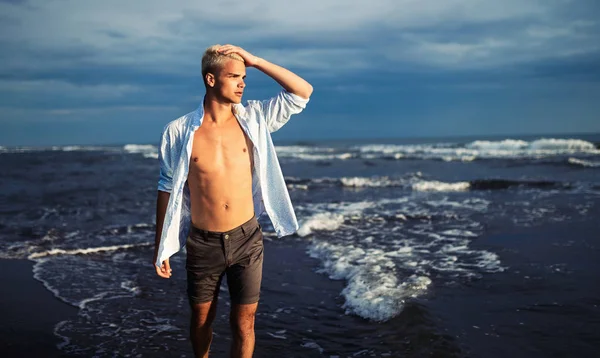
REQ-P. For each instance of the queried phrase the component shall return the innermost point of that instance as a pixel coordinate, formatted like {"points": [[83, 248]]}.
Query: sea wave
{"points": [[67, 148], [440, 186], [583, 163], [147, 150], [373, 290], [86, 251], [383, 271], [414, 182], [465, 152]]}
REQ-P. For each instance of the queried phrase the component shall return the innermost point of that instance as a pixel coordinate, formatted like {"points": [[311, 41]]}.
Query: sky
{"points": [[113, 71]]}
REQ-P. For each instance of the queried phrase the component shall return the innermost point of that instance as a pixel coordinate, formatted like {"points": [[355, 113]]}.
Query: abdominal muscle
{"points": [[220, 179]]}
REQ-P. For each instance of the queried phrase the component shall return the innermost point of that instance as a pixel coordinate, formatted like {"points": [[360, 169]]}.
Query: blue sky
{"points": [[83, 72]]}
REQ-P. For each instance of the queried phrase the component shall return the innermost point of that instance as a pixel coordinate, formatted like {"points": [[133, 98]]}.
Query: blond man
{"points": [[218, 173]]}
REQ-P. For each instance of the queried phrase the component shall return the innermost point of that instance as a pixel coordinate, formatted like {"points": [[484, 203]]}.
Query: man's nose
{"points": [[242, 84]]}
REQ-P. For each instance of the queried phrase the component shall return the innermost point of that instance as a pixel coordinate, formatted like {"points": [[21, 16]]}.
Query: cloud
{"points": [[321, 35], [69, 55]]}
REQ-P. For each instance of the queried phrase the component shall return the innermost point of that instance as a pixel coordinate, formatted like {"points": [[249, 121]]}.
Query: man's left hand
{"points": [[249, 59]]}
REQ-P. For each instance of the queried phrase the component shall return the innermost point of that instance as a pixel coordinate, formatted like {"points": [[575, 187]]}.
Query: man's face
{"points": [[229, 82]]}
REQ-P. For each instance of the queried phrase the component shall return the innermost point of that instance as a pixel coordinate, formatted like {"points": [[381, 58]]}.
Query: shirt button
{"points": [[226, 237]]}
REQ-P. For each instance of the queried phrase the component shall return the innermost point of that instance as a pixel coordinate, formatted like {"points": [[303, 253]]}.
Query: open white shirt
{"points": [[258, 119]]}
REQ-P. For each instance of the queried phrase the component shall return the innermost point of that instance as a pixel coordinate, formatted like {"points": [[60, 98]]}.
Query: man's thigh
{"points": [[205, 266], [244, 276]]}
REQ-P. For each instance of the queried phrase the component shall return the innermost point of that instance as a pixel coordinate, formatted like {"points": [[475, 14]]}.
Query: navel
{"points": [[226, 206]]}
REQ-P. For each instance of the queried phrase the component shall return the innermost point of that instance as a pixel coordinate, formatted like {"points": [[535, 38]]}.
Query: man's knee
{"points": [[203, 314], [242, 319]]}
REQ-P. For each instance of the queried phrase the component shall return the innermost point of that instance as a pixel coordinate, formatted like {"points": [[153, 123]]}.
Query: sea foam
{"points": [[584, 163], [89, 250]]}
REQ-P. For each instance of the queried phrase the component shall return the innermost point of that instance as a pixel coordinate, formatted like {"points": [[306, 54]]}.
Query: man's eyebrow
{"points": [[235, 74]]}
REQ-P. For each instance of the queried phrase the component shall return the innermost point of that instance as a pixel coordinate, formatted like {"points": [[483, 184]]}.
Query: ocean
{"points": [[453, 247]]}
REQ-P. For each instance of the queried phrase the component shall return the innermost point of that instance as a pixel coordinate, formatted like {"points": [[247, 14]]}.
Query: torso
{"points": [[220, 176]]}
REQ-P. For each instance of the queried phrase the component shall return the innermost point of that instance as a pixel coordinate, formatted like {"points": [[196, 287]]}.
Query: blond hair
{"points": [[212, 60]]}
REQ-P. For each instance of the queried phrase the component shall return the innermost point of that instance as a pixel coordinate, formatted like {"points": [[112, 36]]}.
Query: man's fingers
{"points": [[159, 272], [164, 270], [229, 49]]}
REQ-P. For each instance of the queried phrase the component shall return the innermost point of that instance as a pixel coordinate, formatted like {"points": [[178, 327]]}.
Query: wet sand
{"points": [[29, 313]]}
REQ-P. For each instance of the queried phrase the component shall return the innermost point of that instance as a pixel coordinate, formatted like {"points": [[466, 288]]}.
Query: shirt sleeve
{"points": [[278, 110], [165, 180]]}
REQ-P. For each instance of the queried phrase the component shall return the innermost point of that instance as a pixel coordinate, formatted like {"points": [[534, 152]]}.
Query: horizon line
{"points": [[324, 139]]}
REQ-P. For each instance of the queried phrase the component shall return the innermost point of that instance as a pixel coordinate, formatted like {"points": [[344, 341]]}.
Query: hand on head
{"points": [[249, 59]]}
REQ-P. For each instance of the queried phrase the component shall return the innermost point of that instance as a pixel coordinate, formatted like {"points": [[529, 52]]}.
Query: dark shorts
{"points": [[237, 253]]}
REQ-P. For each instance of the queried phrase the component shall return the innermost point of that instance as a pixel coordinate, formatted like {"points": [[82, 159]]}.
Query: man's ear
{"points": [[210, 79]]}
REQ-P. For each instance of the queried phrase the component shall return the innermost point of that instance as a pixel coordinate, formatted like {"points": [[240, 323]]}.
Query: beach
{"points": [[478, 247], [30, 312]]}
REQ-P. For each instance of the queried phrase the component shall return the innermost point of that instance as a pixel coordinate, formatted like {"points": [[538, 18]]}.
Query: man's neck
{"points": [[216, 111]]}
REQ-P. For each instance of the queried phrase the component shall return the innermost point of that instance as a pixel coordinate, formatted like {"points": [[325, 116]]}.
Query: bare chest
{"points": [[218, 149]]}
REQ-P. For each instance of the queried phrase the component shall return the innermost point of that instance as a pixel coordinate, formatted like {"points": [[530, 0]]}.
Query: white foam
{"points": [[90, 250], [147, 150], [320, 221], [330, 216], [130, 286], [489, 261], [67, 148], [97, 297], [289, 150], [278, 336], [138, 148], [384, 266], [475, 204], [372, 289], [310, 153], [584, 163], [379, 279], [440, 186], [74, 148], [37, 274], [19, 250], [382, 148], [505, 149], [312, 345], [65, 340], [457, 232], [361, 352], [297, 186], [371, 182], [504, 145], [562, 144], [322, 157], [348, 209]]}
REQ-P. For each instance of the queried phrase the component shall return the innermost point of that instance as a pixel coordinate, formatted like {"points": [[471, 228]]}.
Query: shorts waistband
{"points": [[246, 228]]}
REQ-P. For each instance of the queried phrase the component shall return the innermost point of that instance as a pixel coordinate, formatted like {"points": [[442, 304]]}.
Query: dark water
{"points": [[455, 248]]}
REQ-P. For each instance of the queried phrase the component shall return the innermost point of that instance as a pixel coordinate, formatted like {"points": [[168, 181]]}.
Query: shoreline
{"points": [[30, 313]]}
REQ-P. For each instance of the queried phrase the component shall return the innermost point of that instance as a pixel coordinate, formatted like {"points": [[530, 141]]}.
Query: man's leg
{"points": [[205, 264], [241, 319], [203, 315], [244, 278]]}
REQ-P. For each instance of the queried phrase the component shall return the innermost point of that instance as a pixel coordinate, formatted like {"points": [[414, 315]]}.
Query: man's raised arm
{"points": [[286, 78]]}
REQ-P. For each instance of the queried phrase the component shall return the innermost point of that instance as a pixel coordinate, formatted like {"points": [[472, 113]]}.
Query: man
{"points": [[218, 173]]}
